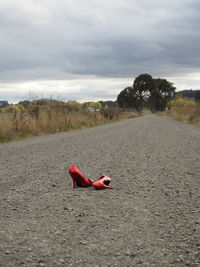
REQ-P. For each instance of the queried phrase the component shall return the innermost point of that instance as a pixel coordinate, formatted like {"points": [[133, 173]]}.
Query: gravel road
{"points": [[150, 218]]}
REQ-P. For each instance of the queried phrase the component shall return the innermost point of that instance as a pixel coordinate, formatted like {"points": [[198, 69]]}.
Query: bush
{"points": [[184, 110], [11, 109], [73, 105], [179, 102], [110, 113]]}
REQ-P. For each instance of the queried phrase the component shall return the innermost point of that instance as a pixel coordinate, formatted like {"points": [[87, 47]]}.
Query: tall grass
{"points": [[184, 110], [40, 120]]}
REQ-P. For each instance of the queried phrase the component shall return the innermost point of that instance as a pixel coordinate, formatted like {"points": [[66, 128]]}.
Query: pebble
{"points": [[83, 242], [179, 259], [117, 254], [139, 261], [57, 233], [130, 254]]}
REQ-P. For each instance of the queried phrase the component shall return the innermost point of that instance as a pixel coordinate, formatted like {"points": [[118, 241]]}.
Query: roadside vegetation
{"points": [[184, 110], [44, 116], [41, 117], [158, 95], [147, 92]]}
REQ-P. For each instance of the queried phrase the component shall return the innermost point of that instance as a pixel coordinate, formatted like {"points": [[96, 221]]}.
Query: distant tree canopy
{"points": [[3, 104], [24, 103], [188, 93], [109, 103], [147, 92]]}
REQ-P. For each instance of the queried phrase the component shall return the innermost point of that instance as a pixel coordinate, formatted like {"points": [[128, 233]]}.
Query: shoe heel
{"points": [[74, 182], [78, 178]]}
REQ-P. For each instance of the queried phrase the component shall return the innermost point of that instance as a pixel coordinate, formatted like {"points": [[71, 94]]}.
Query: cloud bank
{"points": [[59, 45]]}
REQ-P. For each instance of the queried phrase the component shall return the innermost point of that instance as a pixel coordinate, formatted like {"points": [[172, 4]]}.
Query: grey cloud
{"points": [[62, 39]]}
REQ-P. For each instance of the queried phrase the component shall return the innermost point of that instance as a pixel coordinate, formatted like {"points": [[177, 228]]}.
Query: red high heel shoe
{"points": [[78, 178], [103, 182]]}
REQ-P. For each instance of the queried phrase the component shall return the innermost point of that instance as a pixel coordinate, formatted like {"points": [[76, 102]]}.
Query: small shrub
{"points": [[180, 102], [110, 113], [184, 109], [11, 109]]}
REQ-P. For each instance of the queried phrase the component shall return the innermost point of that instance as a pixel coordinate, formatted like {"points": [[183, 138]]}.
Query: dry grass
{"points": [[128, 115], [52, 119], [186, 113]]}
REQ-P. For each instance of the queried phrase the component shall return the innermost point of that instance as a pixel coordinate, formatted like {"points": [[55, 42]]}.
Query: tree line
{"points": [[190, 94], [146, 91]]}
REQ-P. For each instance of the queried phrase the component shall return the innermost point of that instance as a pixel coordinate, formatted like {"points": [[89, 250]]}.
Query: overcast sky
{"points": [[92, 49]]}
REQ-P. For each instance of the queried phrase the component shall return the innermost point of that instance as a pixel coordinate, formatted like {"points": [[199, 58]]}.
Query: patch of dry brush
{"points": [[183, 110], [40, 120]]}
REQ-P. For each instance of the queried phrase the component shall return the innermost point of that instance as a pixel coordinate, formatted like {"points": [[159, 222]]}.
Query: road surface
{"points": [[150, 218]]}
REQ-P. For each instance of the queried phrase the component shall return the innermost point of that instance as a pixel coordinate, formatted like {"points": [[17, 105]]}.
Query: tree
{"points": [[4, 104], [147, 92], [21, 107], [24, 103], [124, 98], [137, 95], [130, 98], [142, 86], [109, 103], [162, 92], [95, 105], [197, 96], [73, 105]]}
